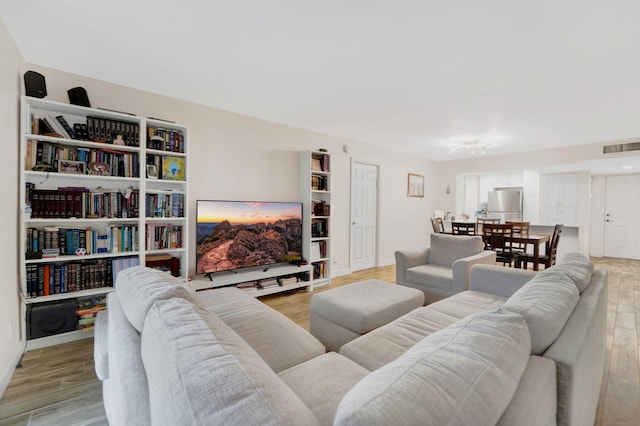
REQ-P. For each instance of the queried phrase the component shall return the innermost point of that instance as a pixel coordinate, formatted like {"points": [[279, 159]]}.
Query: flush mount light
{"points": [[473, 147]]}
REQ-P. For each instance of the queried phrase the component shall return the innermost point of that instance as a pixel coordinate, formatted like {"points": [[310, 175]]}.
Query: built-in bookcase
{"points": [[100, 191], [315, 193]]}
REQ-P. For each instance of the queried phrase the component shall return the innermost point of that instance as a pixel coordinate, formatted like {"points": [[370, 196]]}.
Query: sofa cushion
{"points": [[201, 372], [437, 276], [464, 374], [279, 341], [469, 302], [577, 267], [322, 382], [139, 287], [446, 249], [546, 302], [385, 344]]}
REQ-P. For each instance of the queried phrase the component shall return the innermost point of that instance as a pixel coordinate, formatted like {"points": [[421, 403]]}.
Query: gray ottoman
{"points": [[342, 314]]}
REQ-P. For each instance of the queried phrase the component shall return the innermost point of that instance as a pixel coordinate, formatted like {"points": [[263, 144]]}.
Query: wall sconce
{"points": [[448, 190]]}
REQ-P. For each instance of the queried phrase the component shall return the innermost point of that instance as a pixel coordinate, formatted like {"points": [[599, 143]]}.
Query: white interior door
{"points": [[622, 222], [364, 194]]}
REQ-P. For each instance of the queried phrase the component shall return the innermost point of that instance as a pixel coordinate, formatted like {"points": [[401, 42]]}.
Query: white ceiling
{"points": [[414, 76]]}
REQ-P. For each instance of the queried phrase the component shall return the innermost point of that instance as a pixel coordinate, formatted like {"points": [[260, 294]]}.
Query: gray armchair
{"points": [[442, 269]]}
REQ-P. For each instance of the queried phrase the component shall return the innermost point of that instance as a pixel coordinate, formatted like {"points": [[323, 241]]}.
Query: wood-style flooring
{"points": [[58, 386]]}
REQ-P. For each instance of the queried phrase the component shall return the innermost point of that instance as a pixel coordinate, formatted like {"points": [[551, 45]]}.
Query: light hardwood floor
{"points": [[58, 386]]}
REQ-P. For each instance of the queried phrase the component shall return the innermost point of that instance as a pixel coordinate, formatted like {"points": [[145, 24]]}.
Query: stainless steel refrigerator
{"points": [[505, 203]]}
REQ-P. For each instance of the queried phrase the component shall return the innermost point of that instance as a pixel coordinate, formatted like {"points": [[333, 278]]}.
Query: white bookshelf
{"points": [[129, 178], [315, 194]]}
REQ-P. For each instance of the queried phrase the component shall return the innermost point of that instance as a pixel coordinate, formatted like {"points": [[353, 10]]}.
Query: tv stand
{"points": [[230, 278]]}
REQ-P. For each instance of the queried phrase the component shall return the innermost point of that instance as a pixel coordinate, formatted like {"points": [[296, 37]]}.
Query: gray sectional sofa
{"points": [[517, 348]]}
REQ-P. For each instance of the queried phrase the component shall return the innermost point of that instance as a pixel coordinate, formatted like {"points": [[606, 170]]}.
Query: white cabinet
{"points": [[559, 198], [315, 194], [100, 191]]}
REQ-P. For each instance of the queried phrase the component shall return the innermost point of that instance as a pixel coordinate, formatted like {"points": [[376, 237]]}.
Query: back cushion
{"points": [[201, 372], [546, 302], [446, 249], [139, 287], [577, 267], [465, 374]]}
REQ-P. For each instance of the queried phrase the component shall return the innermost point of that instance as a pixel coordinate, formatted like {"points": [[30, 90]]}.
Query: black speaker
{"points": [[78, 96], [47, 319], [34, 84]]}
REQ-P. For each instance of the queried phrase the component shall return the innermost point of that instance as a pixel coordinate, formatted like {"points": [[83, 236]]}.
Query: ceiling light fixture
{"points": [[472, 147]]}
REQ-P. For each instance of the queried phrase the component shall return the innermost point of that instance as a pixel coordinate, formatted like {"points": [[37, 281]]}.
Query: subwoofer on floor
{"points": [[47, 319]]}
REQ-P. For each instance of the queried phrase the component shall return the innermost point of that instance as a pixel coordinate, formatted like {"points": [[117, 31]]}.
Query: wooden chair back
{"points": [[553, 246], [498, 237], [463, 228], [437, 224], [482, 220], [521, 228]]}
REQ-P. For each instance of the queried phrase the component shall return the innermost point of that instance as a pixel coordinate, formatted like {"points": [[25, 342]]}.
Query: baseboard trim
{"points": [[7, 374]]}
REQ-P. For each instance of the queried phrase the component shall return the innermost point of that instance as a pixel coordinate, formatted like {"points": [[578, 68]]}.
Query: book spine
{"points": [[65, 125]]}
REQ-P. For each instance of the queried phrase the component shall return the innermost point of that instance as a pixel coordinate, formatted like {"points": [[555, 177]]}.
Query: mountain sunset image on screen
{"points": [[242, 234]]}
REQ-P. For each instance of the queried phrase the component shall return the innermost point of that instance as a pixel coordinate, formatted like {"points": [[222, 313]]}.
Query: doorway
{"points": [[364, 220], [622, 221]]}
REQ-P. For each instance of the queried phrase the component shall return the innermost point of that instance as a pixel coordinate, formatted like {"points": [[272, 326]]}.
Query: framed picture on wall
{"points": [[415, 185]]}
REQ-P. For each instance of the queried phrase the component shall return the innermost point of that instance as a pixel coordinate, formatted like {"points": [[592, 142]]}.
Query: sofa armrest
{"points": [[498, 280], [408, 258], [580, 354], [462, 267], [101, 345]]}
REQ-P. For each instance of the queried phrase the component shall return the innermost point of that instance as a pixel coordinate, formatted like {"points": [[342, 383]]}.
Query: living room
{"points": [[268, 155]]}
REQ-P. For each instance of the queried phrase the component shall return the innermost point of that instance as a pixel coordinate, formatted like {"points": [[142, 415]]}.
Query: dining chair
{"points": [[549, 258], [497, 237], [463, 228], [521, 228], [482, 220], [438, 225]]}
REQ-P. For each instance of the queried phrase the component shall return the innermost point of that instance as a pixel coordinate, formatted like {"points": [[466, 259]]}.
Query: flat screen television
{"points": [[232, 235]]}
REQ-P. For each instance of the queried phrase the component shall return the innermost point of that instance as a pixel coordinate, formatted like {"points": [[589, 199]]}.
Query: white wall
{"points": [[10, 75]]}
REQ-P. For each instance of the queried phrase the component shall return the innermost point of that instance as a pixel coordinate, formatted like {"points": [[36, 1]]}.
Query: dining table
{"points": [[536, 240]]}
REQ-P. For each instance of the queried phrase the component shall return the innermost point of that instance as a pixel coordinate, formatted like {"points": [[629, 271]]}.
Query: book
{"points": [[65, 126], [53, 128]]}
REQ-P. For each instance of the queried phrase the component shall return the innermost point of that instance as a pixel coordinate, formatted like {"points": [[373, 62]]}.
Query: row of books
{"points": [[96, 129], [319, 228], [319, 270], [319, 183], [45, 279], [165, 140], [320, 162], [320, 208], [80, 202], [88, 308], [45, 156], [318, 250], [68, 277], [163, 236], [165, 205], [117, 238]]}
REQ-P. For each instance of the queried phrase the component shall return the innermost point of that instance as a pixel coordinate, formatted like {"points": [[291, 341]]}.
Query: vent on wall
{"points": [[621, 147]]}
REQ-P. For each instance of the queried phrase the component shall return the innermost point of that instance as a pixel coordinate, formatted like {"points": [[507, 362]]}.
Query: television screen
{"points": [[242, 234]]}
